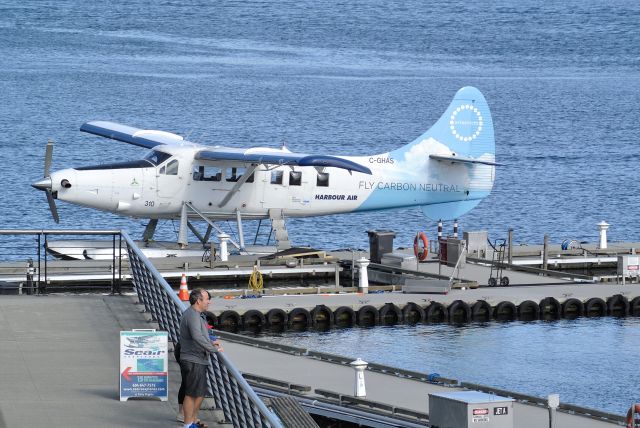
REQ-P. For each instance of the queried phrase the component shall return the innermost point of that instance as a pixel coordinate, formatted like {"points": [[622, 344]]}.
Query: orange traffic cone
{"points": [[184, 290]]}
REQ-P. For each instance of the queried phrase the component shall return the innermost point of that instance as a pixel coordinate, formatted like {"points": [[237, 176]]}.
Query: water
{"points": [[583, 360], [562, 80]]}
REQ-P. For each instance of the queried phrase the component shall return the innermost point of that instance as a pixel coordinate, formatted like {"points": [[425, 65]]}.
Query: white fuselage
{"points": [[158, 191]]}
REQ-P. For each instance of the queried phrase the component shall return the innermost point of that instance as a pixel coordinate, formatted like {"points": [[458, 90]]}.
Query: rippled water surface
{"points": [[584, 360], [359, 77]]}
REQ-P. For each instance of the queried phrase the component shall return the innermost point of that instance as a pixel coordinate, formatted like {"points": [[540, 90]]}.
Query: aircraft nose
{"points": [[42, 184]]}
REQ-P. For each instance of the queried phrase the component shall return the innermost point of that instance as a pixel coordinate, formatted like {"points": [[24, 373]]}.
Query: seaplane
{"points": [[446, 172]]}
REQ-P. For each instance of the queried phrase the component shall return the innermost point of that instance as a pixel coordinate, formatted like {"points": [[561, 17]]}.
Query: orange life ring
{"points": [[421, 255], [634, 409]]}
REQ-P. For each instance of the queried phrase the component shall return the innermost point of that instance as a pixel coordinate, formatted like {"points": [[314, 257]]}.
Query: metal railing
{"points": [[231, 392], [27, 260]]}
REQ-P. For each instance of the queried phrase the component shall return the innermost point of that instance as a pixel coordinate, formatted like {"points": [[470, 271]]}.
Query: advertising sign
{"points": [[143, 364]]}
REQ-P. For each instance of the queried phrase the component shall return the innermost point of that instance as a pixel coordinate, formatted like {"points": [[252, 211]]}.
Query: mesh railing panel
{"points": [[231, 392]]}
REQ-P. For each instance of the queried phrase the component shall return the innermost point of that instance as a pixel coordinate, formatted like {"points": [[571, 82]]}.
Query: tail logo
{"points": [[470, 120]]}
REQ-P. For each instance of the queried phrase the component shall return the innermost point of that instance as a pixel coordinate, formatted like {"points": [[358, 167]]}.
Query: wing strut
{"points": [[237, 186], [210, 223]]}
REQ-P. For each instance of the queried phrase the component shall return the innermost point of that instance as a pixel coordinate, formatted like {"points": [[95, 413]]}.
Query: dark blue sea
{"points": [[353, 78]]}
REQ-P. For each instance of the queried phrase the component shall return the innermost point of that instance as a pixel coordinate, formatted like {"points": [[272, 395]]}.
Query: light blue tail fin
{"points": [[462, 136], [465, 128], [446, 171]]}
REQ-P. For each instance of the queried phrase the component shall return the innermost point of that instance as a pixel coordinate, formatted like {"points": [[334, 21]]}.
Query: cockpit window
{"points": [[172, 167], [156, 157]]}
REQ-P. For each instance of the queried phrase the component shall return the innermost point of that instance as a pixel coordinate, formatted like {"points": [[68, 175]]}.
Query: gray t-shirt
{"points": [[195, 344]]}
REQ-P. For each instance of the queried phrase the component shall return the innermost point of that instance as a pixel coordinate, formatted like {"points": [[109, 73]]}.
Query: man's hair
{"points": [[195, 295]]}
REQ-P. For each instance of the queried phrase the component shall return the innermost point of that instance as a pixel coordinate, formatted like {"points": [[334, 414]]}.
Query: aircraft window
{"points": [[156, 157], [162, 169], [207, 173], [198, 173], [172, 168], [295, 178], [234, 174], [276, 177], [323, 179]]}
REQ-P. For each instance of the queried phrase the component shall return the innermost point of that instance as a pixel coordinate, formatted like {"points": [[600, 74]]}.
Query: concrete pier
{"points": [[59, 364]]}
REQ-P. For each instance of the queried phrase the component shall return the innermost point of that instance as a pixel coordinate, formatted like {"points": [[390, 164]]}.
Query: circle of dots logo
{"points": [[478, 122]]}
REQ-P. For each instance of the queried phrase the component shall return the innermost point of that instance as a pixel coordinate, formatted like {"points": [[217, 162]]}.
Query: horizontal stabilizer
{"points": [[460, 159], [138, 137], [280, 157]]}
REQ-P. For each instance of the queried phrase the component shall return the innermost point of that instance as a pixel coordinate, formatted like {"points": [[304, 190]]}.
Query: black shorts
{"points": [[194, 378]]}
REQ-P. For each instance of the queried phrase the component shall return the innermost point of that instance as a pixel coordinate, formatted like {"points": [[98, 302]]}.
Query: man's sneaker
{"points": [[180, 417], [194, 425]]}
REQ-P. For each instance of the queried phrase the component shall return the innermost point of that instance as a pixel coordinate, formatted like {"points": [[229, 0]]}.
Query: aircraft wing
{"points": [[461, 159], [279, 157], [146, 138]]}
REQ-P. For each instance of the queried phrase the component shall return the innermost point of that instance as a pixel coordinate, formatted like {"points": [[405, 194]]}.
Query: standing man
{"points": [[196, 348]]}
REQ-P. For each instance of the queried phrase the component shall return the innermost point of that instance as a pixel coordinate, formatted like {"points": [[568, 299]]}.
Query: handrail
{"points": [[231, 392], [36, 270], [58, 232], [531, 269]]}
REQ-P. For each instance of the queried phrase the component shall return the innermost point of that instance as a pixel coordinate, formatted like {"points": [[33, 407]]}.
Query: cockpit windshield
{"points": [[156, 157], [153, 158]]}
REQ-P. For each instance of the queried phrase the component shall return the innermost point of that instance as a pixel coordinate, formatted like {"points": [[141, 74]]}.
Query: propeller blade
{"points": [[47, 158], [52, 206]]}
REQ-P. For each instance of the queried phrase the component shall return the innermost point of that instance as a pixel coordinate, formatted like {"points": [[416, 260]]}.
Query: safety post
{"points": [[553, 401], [224, 253], [545, 252], [359, 389], [363, 283], [510, 245], [602, 228]]}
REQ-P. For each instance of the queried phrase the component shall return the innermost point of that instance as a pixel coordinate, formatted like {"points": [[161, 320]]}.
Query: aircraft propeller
{"points": [[45, 184]]}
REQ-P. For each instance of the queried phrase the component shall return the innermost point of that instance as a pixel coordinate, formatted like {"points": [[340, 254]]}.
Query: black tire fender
{"points": [[230, 319], [634, 306], [253, 317], [481, 311], [505, 311], [550, 308], [277, 317], [595, 307], [436, 312], [390, 314], [618, 306], [321, 314], [369, 313], [299, 316], [528, 310], [342, 314], [412, 313], [459, 309], [572, 308]]}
